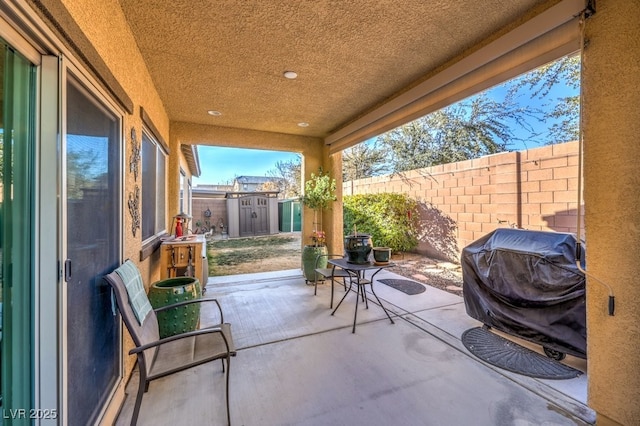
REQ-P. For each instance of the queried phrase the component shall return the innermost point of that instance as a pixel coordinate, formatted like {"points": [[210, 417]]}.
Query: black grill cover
{"points": [[527, 284]]}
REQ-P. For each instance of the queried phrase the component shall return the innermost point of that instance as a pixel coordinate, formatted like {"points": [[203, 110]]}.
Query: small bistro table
{"points": [[357, 271]]}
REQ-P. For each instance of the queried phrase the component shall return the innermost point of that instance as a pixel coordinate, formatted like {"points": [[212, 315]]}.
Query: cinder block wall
{"points": [[460, 202], [218, 208]]}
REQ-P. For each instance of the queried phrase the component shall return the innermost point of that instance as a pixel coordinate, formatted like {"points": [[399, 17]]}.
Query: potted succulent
{"points": [[319, 193]]}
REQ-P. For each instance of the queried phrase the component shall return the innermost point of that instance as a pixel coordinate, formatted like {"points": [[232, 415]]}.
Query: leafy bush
{"points": [[391, 219]]}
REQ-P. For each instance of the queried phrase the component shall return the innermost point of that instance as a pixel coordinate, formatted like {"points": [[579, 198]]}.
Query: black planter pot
{"points": [[358, 248]]}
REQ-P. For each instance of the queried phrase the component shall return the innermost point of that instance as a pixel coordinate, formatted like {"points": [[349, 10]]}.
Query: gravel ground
{"points": [[446, 276]]}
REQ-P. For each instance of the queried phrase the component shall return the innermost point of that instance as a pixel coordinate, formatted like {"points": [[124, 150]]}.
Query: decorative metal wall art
{"points": [[134, 197], [135, 154], [134, 209]]}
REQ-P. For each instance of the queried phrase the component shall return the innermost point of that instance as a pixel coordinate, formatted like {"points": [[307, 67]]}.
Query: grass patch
{"points": [[249, 242], [238, 257], [246, 255]]}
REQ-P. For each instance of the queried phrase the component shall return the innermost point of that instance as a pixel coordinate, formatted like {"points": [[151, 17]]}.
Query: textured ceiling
{"points": [[350, 55]]}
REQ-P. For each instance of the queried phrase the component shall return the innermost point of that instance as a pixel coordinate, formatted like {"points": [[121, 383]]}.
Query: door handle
{"points": [[67, 270]]}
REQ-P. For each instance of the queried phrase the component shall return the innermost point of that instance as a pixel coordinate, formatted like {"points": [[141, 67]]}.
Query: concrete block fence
{"points": [[218, 209], [460, 202]]}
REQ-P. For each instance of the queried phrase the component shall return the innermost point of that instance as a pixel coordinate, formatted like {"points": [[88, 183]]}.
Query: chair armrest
{"points": [[189, 302], [209, 330]]}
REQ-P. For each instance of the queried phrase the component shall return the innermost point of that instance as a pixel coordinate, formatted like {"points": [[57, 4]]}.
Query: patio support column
{"points": [[333, 216], [611, 71]]}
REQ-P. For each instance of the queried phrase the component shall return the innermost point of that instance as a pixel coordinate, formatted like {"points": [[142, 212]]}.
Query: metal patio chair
{"points": [[157, 357], [330, 273]]}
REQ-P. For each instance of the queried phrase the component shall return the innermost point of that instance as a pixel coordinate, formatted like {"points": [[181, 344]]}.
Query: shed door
{"points": [[246, 216], [254, 216], [261, 217], [296, 216]]}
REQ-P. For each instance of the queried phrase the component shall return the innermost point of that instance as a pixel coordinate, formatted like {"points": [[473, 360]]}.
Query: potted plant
{"points": [[319, 193]]}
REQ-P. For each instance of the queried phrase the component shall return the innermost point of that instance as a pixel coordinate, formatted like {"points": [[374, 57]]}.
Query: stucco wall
{"points": [[612, 181], [104, 25], [461, 202]]}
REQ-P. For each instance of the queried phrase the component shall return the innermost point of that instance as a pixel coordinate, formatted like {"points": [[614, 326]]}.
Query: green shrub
{"points": [[391, 219]]}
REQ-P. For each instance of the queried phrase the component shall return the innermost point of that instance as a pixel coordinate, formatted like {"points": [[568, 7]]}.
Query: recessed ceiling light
{"points": [[291, 75], [303, 124], [214, 112]]}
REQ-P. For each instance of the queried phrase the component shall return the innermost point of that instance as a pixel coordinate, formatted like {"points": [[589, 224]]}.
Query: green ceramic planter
{"points": [[309, 256], [174, 290]]}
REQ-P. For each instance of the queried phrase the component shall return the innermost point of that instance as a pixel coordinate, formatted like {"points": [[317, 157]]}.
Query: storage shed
{"points": [[252, 213], [290, 215]]}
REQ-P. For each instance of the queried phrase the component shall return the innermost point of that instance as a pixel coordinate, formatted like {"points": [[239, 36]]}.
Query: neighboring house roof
{"points": [[211, 191], [254, 179], [240, 194], [212, 187]]}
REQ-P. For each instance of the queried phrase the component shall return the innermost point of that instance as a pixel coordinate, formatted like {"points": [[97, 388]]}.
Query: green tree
{"points": [[565, 111], [288, 177], [319, 192], [484, 125], [363, 160], [469, 129]]}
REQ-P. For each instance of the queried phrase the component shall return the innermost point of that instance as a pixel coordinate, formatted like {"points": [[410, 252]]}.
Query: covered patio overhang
{"points": [[364, 67], [542, 34]]}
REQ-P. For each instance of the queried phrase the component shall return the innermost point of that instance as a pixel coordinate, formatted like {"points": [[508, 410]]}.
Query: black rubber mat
{"points": [[510, 356], [405, 286]]}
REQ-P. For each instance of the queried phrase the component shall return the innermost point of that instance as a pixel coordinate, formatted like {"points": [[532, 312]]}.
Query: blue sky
{"points": [[221, 165]]}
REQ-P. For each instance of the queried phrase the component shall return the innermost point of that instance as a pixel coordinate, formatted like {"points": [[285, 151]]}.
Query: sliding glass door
{"points": [[17, 176], [92, 175]]}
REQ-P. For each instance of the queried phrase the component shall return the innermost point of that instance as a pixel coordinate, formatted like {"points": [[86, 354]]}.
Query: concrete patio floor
{"points": [[298, 365]]}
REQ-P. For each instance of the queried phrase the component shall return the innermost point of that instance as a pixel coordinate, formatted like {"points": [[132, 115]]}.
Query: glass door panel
{"points": [[93, 249], [17, 176]]}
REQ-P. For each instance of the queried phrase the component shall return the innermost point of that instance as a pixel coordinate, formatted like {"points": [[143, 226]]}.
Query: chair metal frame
{"points": [[330, 273], [154, 354]]}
